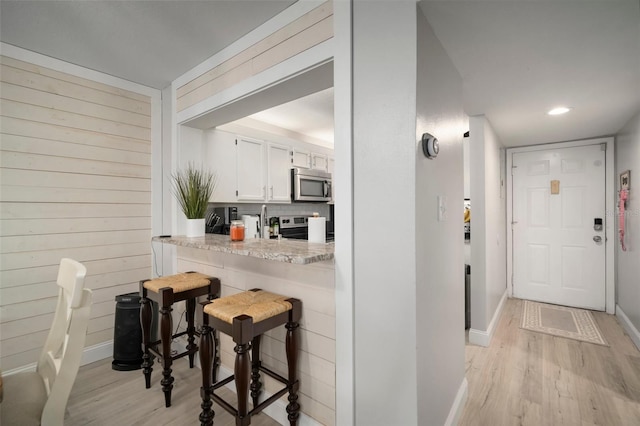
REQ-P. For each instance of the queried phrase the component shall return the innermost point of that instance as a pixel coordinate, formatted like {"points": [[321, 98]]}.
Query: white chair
{"points": [[40, 397]]}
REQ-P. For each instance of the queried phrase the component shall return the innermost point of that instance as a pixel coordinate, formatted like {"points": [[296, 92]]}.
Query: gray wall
{"points": [[439, 244], [408, 278], [488, 224], [628, 269], [384, 150]]}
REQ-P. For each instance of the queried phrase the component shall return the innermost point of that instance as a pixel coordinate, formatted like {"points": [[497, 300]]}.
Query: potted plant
{"points": [[192, 188]]}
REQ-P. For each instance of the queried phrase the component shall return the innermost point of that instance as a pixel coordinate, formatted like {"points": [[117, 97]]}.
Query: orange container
{"points": [[237, 230]]}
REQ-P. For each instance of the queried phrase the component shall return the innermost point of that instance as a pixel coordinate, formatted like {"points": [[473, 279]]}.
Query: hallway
{"points": [[529, 378]]}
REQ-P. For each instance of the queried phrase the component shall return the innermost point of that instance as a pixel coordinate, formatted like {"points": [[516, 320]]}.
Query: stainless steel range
{"points": [[297, 228]]}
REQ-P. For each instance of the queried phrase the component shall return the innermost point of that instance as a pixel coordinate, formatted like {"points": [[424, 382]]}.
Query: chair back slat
{"points": [[71, 279]]}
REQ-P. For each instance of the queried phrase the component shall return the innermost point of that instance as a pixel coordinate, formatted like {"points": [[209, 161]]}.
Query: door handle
{"points": [[597, 238]]}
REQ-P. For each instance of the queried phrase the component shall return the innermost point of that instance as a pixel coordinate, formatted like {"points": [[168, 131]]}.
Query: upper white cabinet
{"points": [[319, 161], [279, 173], [301, 158], [220, 154], [250, 169]]}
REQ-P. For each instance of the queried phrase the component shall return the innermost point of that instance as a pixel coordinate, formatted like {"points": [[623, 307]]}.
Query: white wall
{"points": [[439, 244], [628, 268], [384, 174], [76, 182], [488, 228]]}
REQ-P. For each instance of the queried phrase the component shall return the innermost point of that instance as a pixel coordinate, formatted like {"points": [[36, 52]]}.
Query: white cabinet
{"points": [[250, 169], [279, 173], [319, 161], [220, 154], [331, 165], [301, 158]]}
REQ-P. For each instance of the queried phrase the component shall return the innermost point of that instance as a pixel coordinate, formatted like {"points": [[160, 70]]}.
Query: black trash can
{"points": [[127, 332]]}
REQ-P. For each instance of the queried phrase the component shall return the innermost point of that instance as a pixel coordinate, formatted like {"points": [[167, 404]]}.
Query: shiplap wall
{"points": [[314, 285], [75, 172], [303, 33]]}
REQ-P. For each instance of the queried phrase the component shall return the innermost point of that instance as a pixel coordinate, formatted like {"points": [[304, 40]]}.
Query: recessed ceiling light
{"points": [[559, 111]]}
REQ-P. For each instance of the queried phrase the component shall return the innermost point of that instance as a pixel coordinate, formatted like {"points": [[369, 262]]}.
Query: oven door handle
{"points": [[327, 189]]}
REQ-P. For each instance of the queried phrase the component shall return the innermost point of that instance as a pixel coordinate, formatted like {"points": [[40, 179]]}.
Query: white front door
{"points": [[558, 200]]}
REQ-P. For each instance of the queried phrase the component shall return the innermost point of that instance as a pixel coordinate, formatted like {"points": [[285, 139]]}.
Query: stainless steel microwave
{"points": [[309, 185]]}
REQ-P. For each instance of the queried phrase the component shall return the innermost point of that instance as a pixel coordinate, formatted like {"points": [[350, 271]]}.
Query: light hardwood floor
{"points": [[523, 378], [529, 378], [102, 396]]}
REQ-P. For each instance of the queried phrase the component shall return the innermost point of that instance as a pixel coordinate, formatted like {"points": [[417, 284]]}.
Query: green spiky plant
{"points": [[193, 188]]}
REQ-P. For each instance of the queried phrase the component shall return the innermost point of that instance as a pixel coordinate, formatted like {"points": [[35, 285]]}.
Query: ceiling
{"points": [[517, 58], [147, 42]]}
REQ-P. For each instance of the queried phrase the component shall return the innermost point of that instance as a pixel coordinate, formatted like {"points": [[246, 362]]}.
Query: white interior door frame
{"points": [[610, 195]]}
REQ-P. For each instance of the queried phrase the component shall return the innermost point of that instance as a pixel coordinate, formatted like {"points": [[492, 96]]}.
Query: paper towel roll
{"points": [[317, 229]]}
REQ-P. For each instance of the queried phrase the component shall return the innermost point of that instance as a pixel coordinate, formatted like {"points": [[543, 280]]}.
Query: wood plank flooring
{"points": [[103, 396], [529, 378], [523, 378]]}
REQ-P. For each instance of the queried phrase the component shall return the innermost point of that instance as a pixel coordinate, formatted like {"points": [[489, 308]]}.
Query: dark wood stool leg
{"points": [[145, 324], [256, 385], [206, 361], [191, 346], [242, 335], [293, 408], [214, 293], [166, 326], [216, 356]]}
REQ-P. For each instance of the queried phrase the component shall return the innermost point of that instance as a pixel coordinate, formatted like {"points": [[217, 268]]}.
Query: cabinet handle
{"points": [[271, 192]]}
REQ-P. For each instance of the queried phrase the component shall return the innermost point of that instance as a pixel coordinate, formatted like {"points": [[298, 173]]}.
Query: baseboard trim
{"points": [[458, 404], [482, 337], [97, 352], [628, 326], [90, 354], [278, 410]]}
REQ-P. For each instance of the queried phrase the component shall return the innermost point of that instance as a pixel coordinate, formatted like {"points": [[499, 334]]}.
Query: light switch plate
{"points": [[442, 208]]}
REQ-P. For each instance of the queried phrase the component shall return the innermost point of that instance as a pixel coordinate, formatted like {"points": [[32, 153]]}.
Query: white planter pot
{"points": [[195, 227]]}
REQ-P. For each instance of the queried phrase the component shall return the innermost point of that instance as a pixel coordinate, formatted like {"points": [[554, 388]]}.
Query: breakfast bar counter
{"points": [[295, 268], [283, 250]]}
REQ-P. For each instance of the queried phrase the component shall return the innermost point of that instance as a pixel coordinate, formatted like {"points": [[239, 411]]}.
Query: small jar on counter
{"points": [[237, 230]]}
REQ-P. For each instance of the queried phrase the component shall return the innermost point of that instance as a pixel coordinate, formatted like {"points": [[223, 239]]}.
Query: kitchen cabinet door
{"points": [[220, 154], [250, 169], [301, 158], [279, 173], [319, 161]]}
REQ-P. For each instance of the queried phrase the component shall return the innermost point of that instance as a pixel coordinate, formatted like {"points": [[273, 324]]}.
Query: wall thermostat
{"points": [[430, 146]]}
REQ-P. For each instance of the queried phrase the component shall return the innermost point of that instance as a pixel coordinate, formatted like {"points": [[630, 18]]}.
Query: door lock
{"points": [[597, 239]]}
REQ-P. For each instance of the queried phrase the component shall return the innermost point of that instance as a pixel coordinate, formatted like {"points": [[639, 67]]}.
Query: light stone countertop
{"points": [[284, 250]]}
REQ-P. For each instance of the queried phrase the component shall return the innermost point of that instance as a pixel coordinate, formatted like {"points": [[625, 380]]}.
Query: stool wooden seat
{"points": [[245, 317], [166, 291]]}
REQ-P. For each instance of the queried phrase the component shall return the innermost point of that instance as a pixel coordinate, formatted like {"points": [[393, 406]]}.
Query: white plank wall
{"points": [[314, 285], [75, 175], [305, 32]]}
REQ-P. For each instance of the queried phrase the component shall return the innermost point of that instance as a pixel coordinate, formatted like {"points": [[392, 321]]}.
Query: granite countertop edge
{"points": [[286, 251]]}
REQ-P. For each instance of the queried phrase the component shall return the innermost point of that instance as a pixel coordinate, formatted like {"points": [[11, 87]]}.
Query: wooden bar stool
{"points": [[166, 291], [245, 317]]}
